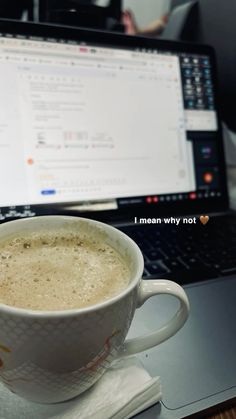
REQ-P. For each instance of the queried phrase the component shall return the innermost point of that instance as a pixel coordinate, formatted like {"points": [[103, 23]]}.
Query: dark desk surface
{"points": [[224, 414], [217, 412], [226, 410]]}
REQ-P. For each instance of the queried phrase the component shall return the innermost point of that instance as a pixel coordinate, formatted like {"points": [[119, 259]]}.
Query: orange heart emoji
{"points": [[204, 219]]}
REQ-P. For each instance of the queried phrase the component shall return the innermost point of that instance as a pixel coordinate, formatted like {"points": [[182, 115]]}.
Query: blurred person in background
{"points": [[153, 29]]}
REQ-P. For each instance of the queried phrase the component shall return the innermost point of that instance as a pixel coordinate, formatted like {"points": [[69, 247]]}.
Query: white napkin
{"points": [[230, 145], [124, 390]]}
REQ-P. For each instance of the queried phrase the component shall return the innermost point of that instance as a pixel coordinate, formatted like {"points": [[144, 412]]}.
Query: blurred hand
{"points": [[129, 23]]}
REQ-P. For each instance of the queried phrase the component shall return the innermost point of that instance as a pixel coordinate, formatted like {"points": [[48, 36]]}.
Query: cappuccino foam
{"points": [[50, 271]]}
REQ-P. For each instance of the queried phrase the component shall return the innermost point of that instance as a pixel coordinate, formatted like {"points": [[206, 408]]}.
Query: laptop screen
{"points": [[105, 126]]}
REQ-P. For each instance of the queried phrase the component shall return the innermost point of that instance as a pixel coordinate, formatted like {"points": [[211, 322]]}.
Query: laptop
{"points": [[127, 130]]}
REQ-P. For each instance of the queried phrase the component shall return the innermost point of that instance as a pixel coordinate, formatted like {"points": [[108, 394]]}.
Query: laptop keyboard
{"points": [[187, 253]]}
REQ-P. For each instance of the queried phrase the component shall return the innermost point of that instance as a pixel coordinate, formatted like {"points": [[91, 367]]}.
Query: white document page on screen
{"points": [[90, 123]]}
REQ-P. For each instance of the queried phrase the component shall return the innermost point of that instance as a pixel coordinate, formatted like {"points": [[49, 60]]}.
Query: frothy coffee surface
{"points": [[59, 271]]}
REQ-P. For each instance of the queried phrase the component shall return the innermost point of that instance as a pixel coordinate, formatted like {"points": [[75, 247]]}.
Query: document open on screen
{"points": [[90, 123]]}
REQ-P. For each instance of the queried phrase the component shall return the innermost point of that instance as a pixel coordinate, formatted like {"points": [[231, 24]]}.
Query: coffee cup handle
{"points": [[147, 289]]}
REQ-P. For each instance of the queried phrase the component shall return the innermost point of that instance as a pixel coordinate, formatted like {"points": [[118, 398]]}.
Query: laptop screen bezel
{"points": [[104, 38]]}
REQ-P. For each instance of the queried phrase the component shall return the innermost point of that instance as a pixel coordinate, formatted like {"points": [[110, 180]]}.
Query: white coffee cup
{"points": [[52, 356]]}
